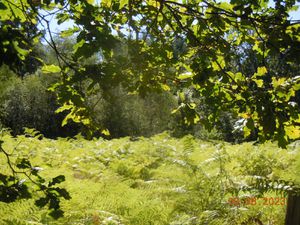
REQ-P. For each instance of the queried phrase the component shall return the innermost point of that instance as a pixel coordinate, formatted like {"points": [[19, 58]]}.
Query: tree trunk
{"points": [[293, 210]]}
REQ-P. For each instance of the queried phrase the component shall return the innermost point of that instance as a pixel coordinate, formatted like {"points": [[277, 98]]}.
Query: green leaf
{"points": [[91, 2], [182, 96], [184, 76], [69, 32], [62, 17], [54, 202], [239, 77], [278, 82], [105, 132], [191, 105], [165, 87], [21, 52], [261, 71], [257, 48], [58, 213], [106, 3], [174, 111], [64, 193], [259, 82], [2, 6], [51, 69], [226, 6], [3, 178], [293, 132], [219, 64], [64, 108], [249, 127], [42, 202], [123, 3], [247, 131], [24, 164], [57, 180], [296, 87]]}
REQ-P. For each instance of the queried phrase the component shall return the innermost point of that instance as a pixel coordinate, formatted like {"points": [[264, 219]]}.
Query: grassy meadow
{"points": [[158, 180]]}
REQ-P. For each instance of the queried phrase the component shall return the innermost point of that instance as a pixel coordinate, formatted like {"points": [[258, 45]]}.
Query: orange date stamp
{"points": [[263, 201]]}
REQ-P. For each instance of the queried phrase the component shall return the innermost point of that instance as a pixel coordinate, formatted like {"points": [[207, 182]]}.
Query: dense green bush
{"points": [[26, 102], [139, 116]]}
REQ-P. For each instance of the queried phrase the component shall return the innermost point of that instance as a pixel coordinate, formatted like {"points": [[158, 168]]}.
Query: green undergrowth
{"points": [[157, 180]]}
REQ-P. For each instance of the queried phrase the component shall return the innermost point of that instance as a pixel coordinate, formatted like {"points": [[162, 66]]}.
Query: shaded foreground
{"points": [[158, 180]]}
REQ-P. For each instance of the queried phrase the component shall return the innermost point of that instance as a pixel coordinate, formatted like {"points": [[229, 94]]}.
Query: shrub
{"points": [[133, 115], [28, 103]]}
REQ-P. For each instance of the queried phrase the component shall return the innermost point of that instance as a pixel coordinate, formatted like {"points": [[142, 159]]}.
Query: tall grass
{"points": [[158, 180]]}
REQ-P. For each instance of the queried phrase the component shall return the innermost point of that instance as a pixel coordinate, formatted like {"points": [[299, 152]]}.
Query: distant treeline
{"points": [[25, 101]]}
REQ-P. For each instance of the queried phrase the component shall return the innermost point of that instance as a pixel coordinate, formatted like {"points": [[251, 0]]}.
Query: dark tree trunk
{"points": [[293, 210]]}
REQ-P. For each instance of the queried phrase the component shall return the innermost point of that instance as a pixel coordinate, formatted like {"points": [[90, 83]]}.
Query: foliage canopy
{"points": [[209, 60]]}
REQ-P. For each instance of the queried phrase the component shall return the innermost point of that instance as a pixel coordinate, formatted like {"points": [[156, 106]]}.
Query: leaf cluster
{"points": [[23, 180]]}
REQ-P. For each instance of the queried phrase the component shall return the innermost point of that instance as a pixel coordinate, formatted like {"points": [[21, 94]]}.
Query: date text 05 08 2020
{"points": [[270, 201]]}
